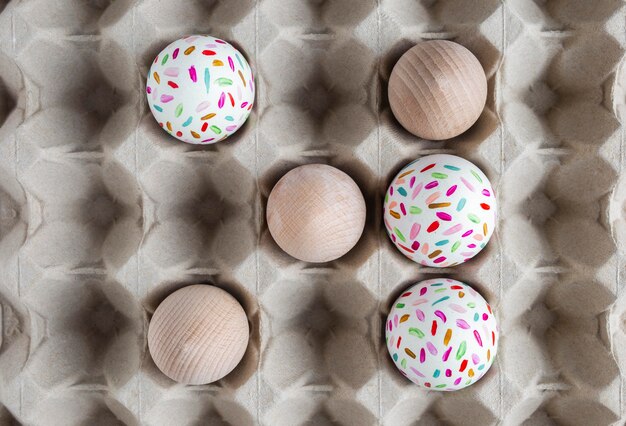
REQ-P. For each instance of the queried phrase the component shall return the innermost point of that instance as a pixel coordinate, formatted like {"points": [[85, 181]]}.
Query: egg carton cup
{"points": [[102, 214]]}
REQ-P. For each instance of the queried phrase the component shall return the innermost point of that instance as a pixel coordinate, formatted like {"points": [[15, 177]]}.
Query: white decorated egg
{"points": [[442, 334], [440, 210], [200, 89]]}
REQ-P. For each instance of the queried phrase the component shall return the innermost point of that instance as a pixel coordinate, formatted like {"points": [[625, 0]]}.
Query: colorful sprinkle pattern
{"points": [[200, 89], [442, 334], [440, 210]]}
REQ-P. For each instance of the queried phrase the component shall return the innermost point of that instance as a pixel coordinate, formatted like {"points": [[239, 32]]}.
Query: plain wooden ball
{"points": [[198, 334], [437, 89], [316, 213]]}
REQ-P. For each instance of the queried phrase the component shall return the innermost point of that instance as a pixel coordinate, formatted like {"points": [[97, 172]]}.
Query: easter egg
{"points": [[200, 89], [198, 334], [437, 89], [316, 213], [440, 210], [442, 335]]}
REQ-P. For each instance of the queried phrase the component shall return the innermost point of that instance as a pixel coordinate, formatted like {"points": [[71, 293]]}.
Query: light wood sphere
{"points": [[198, 334], [437, 89], [316, 213]]}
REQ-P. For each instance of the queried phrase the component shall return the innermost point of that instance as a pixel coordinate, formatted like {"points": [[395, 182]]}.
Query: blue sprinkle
{"points": [[436, 374], [442, 243], [207, 79], [188, 122], [158, 108], [229, 118], [395, 357], [239, 60], [461, 204], [441, 300], [402, 191], [436, 285], [481, 366], [476, 317], [456, 169]]}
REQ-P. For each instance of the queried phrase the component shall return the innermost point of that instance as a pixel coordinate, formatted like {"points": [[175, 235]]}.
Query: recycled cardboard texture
{"points": [[102, 214]]}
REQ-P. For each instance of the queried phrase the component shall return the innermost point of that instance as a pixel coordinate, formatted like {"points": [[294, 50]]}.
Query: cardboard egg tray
{"points": [[102, 214]]}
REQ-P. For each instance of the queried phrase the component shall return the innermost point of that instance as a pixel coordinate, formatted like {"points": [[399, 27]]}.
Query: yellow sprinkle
{"points": [[447, 337], [169, 126], [157, 78], [470, 373], [208, 116], [217, 63], [485, 228]]}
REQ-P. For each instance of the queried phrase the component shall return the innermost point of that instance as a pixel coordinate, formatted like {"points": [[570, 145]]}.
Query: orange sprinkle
{"points": [[243, 80], [156, 77], [485, 228], [447, 337], [169, 126], [434, 254], [208, 116], [195, 135], [461, 294], [470, 372], [409, 352], [217, 63], [408, 172], [488, 354], [438, 205], [189, 50], [404, 318], [395, 214]]}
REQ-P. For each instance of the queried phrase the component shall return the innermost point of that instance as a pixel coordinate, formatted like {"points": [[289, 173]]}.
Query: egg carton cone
{"points": [[103, 214]]}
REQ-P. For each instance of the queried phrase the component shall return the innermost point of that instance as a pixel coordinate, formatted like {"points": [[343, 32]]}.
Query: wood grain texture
{"points": [[198, 334], [316, 213], [437, 89]]}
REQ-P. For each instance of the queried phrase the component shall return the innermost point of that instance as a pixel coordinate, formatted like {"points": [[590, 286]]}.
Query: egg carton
{"points": [[102, 214]]}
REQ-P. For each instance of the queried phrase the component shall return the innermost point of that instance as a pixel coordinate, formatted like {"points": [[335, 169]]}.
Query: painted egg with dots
{"points": [[200, 89], [440, 210], [442, 335]]}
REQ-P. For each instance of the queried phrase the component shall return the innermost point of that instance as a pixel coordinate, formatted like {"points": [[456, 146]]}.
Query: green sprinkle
{"points": [[442, 289], [400, 305], [179, 110], [165, 58], [399, 234], [461, 351], [223, 82], [473, 218], [437, 175], [476, 176], [403, 363], [441, 300], [455, 246], [461, 204], [416, 332], [402, 191], [443, 385], [471, 305], [436, 373], [158, 108], [456, 169], [415, 210], [442, 243], [216, 129]]}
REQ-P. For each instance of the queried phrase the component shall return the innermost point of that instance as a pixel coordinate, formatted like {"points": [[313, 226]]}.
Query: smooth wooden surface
{"points": [[316, 213], [437, 90], [198, 334]]}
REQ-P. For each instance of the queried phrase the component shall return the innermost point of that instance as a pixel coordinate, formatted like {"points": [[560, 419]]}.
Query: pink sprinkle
{"points": [[467, 233], [415, 245], [423, 291], [395, 320], [451, 190], [462, 324], [192, 74], [432, 197], [391, 190], [415, 230], [387, 224], [486, 192], [417, 372], [457, 308], [171, 72], [431, 348], [417, 190], [422, 355], [485, 316], [456, 228], [420, 315], [231, 128], [211, 45], [208, 140], [419, 302], [191, 39], [471, 245], [469, 185], [432, 184], [457, 381], [148, 90], [220, 41], [245, 104], [166, 98], [446, 354], [467, 254], [444, 216], [202, 106], [441, 315], [389, 326], [220, 103], [475, 359], [403, 209], [231, 63], [448, 372], [175, 54], [412, 182], [478, 339], [440, 259]]}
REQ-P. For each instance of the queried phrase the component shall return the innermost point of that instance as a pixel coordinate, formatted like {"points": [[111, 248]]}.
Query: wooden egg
{"points": [[316, 213], [437, 89], [198, 334]]}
